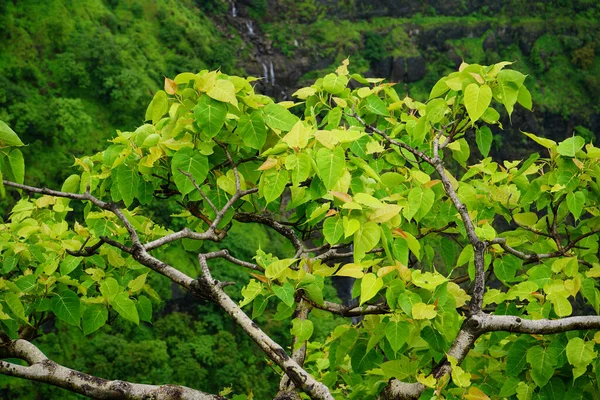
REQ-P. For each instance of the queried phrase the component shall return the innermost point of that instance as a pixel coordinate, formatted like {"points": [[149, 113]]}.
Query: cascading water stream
{"points": [[250, 28]]}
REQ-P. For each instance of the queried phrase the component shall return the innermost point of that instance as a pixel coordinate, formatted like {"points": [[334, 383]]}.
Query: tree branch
{"points": [[344, 311], [301, 378], [285, 231], [74, 196], [42, 369]]}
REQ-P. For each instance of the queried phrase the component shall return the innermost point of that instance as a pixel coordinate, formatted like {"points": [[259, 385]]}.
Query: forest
{"points": [[171, 166]]}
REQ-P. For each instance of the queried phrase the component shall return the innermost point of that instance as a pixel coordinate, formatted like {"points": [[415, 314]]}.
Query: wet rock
{"points": [[398, 70], [415, 68], [490, 43], [382, 68], [454, 57]]}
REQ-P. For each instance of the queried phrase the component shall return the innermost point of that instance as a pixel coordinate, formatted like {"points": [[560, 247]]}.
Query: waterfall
{"points": [[233, 9], [272, 72], [296, 42], [265, 72], [250, 28]]}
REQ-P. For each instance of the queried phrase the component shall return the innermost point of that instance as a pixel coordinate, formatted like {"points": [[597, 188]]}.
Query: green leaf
{"points": [[435, 110], [272, 183], [509, 387], [562, 305], [138, 283], [542, 363], [351, 225], [94, 317], [361, 360], [128, 183], [335, 83], [369, 287], [427, 280], [66, 306], [126, 307], [144, 308], [279, 117], [276, 268], [210, 115], [68, 264], [8, 137], [506, 267], [331, 166], [517, 356], [424, 311], [484, 140], [365, 239], [439, 88], [525, 391], [375, 105], [477, 100], [333, 229], [285, 293], [298, 136], [407, 300], [435, 340], [250, 291], [420, 202], [301, 165], [575, 203], [569, 147], [259, 305], [580, 354], [302, 329], [17, 165], [224, 91], [251, 128], [524, 98], [507, 92], [109, 288], [547, 143], [526, 219], [15, 305], [158, 107], [396, 332], [190, 162]]}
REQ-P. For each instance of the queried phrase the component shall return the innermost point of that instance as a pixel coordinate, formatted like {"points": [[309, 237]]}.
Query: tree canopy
{"points": [[474, 278]]}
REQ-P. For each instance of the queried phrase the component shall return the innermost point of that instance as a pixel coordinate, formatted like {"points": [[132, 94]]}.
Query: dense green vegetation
{"points": [[71, 73]]}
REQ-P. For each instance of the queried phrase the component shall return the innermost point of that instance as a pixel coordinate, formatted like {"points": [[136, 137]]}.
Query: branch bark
{"points": [[42, 369]]}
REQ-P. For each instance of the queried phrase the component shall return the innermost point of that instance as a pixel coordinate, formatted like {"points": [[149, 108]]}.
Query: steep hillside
{"points": [[73, 72]]}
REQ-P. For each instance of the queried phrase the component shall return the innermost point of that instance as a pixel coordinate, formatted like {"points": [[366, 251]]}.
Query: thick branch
{"points": [[300, 378], [42, 369], [299, 351], [509, 323]]}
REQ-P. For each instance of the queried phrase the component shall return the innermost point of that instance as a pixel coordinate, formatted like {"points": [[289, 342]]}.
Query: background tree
{"points": [[473, 278]]}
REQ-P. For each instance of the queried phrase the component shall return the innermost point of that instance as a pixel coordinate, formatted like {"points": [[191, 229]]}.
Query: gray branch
{"points": [[42, 369], [284, 230], [300, 378]]}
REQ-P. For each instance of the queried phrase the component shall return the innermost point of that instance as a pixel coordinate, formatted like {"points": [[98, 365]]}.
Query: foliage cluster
{"points": [[481, 269]]}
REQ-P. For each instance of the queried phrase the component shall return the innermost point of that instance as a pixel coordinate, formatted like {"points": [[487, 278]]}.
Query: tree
{"points": [[473, 278]]}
